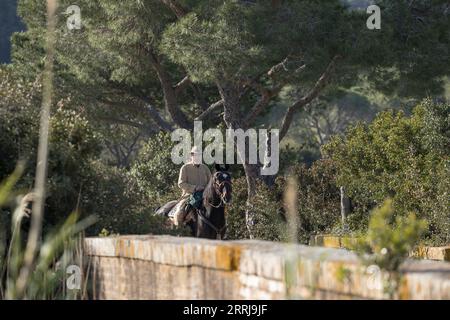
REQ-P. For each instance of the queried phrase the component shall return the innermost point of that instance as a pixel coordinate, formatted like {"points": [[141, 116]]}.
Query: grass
{"points": [[33, 266]]}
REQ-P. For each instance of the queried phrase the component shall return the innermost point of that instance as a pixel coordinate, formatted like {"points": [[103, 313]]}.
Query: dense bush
{"points": [[405, 158], [269, 222], [295, 155], [72, 148], [153, 170], [318, 198], [17, 119], [390, 237], [77, 177], [108, 194], [318, 204]]}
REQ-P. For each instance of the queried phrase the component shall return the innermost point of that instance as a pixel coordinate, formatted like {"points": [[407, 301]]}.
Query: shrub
{"points": [[46, 275], [290, 156], [154, 168], [405, 158], [390, 237], [108, 194], [318, 204], [318, 198], [77, 179], [269, 223], [17, 119]]}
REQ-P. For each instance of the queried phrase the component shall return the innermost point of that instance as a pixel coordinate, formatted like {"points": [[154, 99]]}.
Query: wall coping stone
{"points": [[265, 262]]}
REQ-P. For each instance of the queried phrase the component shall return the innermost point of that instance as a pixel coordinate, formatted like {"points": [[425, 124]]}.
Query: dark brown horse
{"points": [[209, 221]]}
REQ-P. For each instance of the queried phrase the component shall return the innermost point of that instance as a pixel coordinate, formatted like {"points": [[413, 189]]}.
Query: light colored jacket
{"points": [[193, 177]]}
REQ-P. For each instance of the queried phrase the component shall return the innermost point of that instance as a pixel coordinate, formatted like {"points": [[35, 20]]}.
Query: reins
{"points": [[207, 222]]}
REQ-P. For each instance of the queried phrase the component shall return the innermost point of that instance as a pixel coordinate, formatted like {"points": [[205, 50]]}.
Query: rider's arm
{"points": [[207, 174], [183, 182]]}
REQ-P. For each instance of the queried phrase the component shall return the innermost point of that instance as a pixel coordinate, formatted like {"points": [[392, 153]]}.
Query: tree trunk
{"points": [[170, 96], [345, 208], [230, 95]]}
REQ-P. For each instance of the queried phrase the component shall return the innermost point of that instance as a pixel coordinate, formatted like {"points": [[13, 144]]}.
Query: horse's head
{"points": [[222, 183], [217, 194]]}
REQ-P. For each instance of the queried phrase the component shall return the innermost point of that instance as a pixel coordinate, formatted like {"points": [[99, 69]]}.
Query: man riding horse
{"points": [[193, 178], [203, 200]]}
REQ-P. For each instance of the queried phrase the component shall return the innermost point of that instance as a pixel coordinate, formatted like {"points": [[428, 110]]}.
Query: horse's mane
{"points": [[209, 191]]}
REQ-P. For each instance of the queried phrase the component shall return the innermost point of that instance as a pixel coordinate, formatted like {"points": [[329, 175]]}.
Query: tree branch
{"points": [[163, 124], [276, 68], [318, 87], [268, 94], [282, 66], [182, 85], [170, 97], [141, 105], [210, 109], [259, 106], [130, 123], [199, 98]]}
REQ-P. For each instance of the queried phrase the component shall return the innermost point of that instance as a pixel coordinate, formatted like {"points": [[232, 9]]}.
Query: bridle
{"points": [[217, 187]]}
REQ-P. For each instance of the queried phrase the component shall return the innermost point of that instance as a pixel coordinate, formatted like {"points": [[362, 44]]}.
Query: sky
{"points": [[9, 23]]}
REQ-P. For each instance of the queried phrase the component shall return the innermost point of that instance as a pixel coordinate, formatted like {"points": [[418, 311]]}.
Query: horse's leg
{"points": [[203, 230], [223, 232], [192, 226]]}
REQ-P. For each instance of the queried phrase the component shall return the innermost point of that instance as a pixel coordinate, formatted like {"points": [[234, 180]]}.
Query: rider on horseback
{"points": [[194, 176]]}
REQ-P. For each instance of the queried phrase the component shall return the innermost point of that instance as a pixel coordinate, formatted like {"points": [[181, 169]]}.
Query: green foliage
{"points": [[77, 133], [292, 155], [318, 198], [225, 42], [230, 40], [390, 237], [405, 158], [17, 118], [415, 43], [114, 64], [108, 193], [47, 278], [77, 178], [153, 167], [266, 208]]}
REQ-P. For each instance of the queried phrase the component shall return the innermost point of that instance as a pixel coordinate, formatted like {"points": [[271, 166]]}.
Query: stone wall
{"points": [[421, 252], [164, 267]]}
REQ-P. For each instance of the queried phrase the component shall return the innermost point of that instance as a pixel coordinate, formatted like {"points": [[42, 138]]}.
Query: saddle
{"points": [[195, 201], [182, 211]]}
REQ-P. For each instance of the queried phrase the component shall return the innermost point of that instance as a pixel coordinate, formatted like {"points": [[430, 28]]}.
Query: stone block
{"points": [[164, 267]]}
